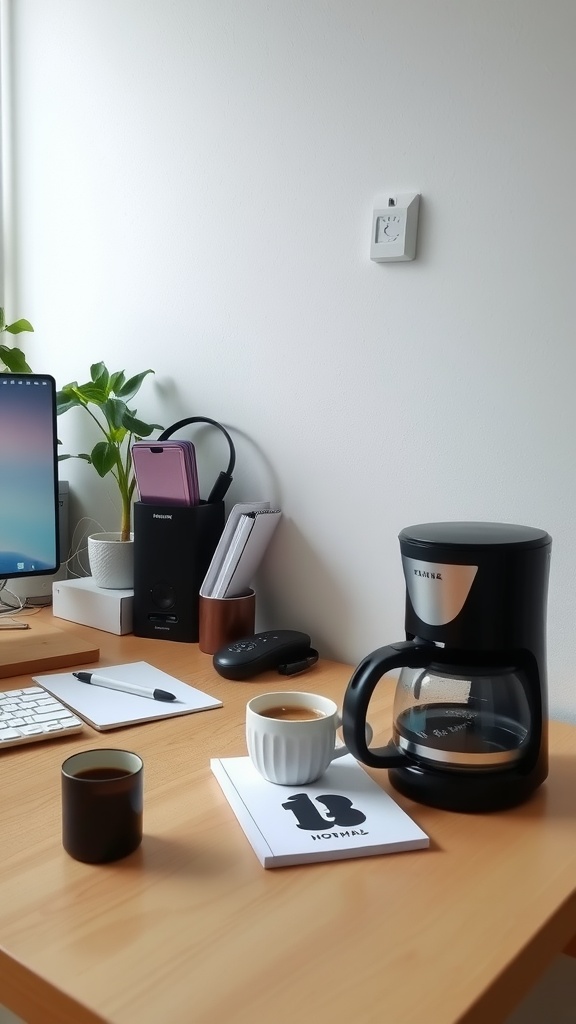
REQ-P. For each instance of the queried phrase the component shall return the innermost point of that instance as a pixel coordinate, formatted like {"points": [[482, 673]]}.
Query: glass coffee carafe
{"points": [[461, 718]]}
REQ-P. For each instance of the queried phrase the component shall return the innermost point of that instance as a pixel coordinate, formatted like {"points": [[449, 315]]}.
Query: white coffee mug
{"points": [[291, 736]]}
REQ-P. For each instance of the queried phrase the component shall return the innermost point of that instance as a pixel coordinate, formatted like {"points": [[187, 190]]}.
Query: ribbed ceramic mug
{"points": [[291, 736]]}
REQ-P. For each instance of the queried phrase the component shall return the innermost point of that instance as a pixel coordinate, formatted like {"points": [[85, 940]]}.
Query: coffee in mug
{"points": [[295, 713], [291, 736], [98, 774]]}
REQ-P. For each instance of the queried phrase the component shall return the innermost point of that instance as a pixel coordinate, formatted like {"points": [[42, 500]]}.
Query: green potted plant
{"points": [[13, 359], [105, 399]]}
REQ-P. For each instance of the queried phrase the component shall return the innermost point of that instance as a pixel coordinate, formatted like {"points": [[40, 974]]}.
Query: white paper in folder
{"points": [[253, 534], [223, 545], [246, 536]]}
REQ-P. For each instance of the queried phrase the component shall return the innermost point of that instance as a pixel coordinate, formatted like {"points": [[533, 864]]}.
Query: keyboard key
{"points": [[49, 716], [32, 714]]}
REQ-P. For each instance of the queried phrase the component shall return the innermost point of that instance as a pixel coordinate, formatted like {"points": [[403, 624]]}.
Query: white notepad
{"points": [[110, 709], [344, 814]]}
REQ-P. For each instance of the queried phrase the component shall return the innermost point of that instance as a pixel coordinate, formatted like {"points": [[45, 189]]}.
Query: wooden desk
{"points": [[191, 930]]}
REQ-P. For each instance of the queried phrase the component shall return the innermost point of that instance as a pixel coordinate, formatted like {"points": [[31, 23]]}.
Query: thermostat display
{"points": [[394, 228]]}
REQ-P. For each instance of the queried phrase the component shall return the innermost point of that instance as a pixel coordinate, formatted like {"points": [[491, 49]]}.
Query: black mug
{"points": [[102, 797]]}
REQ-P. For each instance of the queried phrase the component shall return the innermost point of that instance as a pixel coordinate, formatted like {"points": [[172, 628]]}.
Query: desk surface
{"points": [[191, 930]]}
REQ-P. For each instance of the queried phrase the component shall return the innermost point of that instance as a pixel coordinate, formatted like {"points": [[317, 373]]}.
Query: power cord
{"points": [[6, 608]]}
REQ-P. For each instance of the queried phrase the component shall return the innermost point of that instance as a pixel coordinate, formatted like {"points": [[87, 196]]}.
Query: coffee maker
{"points": [[470, 708]]}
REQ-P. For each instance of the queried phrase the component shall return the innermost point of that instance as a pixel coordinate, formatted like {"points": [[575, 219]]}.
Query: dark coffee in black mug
{"points": [[101, 774], [102, 798]]}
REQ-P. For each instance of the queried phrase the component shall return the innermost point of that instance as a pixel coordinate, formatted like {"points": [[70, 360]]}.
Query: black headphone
{"points": [[225, 477]]}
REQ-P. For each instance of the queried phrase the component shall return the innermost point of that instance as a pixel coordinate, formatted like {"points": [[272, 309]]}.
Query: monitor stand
{"points": [[41, 648]]}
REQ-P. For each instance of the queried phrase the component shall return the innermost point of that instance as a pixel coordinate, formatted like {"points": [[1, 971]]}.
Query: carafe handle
{"points": [[409, 654]]}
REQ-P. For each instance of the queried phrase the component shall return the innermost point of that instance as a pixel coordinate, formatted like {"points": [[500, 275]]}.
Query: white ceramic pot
{"points": [[111, 561]]}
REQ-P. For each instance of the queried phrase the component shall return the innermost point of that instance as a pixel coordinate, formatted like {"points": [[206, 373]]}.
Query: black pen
{"points": [[115, 684]]}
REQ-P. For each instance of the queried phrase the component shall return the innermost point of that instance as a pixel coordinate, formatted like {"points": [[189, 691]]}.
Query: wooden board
{"points": [[42, 647]]}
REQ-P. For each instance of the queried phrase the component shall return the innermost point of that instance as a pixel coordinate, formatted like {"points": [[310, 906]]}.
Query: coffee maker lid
{"points": [[460, 535]]}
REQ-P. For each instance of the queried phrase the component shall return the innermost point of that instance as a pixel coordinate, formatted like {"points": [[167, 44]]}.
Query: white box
{"points": [[82, 601]]}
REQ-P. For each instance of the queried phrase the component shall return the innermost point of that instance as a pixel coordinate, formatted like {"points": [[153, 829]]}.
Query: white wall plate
{"points": [[394, 228]]}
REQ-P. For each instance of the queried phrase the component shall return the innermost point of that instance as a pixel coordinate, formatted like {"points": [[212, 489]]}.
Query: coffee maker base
{"points": [[470, 793]]}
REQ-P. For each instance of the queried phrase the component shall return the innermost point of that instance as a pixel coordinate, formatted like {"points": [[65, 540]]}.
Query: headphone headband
{"points": [[225, 477]]}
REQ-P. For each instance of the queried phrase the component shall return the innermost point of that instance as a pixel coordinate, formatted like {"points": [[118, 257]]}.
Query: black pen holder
{"points": [[173, 547]]}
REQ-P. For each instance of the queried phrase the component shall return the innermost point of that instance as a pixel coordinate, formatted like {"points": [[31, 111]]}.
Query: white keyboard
{"points": [[34, 714]]}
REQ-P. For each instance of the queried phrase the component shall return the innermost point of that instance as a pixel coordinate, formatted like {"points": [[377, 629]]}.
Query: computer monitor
{"points": [[28, 476]]}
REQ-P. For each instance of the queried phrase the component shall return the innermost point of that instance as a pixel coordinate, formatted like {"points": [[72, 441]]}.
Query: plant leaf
{"points": [[114, 410], [118, 423], [117, 382], [130, 387], [2, 319], [103, 457], [89, 392], [18, 326], [99, 375], [62, 458], [14, 359], [66, 399], [138, 427]]}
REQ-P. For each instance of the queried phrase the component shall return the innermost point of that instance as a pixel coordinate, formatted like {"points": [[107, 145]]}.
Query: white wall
{"points": [[195, 185]]}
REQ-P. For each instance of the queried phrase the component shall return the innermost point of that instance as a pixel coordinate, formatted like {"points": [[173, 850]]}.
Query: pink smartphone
{"points": [[166, 472]]}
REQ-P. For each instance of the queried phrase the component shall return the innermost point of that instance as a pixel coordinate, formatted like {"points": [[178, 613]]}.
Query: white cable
{"points": [[5, 607]]}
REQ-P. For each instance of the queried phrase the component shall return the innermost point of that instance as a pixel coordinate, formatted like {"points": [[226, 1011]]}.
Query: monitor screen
{"points": [[28, 476]]}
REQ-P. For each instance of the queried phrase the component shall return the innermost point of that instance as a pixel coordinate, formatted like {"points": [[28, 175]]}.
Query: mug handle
{"points": [[409, 654], [342, 749]]}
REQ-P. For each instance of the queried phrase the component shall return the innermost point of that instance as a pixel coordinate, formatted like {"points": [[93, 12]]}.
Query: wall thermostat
{"points": [[394, 228]]}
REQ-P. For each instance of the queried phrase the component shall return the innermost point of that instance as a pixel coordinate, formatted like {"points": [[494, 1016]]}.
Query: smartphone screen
{"points": [[165, 472]]}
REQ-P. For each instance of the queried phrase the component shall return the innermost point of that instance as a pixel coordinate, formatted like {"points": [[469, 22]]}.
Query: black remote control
{"points": [[284, 649]]}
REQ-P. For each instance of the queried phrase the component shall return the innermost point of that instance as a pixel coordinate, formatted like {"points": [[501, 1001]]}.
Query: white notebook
{"points": [[343, 814], [109, 709], [223, 546], [247, 549]]}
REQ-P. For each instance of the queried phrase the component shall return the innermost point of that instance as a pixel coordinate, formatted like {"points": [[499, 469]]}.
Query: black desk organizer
{"points": [[173, 547]]}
